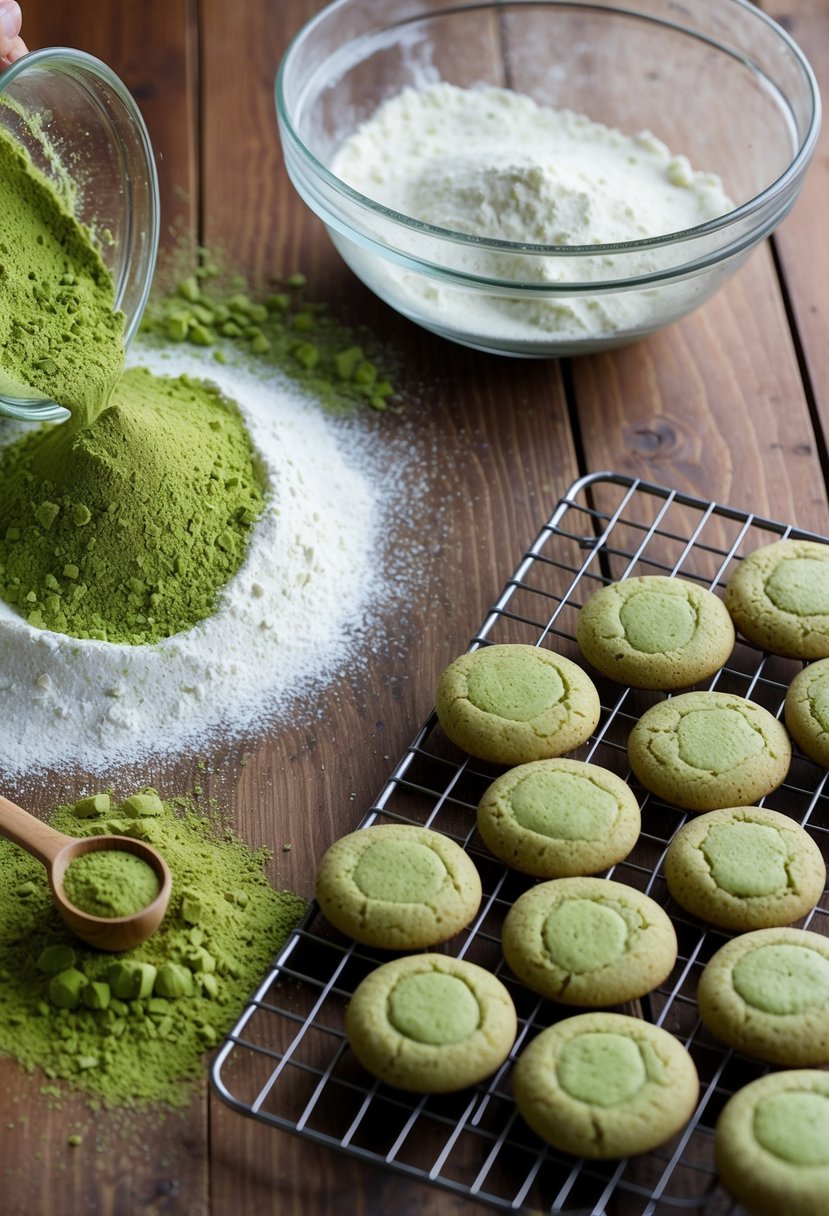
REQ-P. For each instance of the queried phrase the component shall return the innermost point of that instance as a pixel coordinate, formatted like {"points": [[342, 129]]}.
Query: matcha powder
{"points": [[132, 1028], [124, 530], [111, 883], [59, 331]]}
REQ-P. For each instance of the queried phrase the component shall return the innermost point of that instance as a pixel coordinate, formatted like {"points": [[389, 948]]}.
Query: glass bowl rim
{"points": [[779, 186]]}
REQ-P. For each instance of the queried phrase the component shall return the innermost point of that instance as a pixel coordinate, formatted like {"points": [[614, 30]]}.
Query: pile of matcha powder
{"points": [[125, 529], [123, 523], [132, 1028]]}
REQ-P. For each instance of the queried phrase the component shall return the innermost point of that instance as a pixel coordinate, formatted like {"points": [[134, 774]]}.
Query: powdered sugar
{"points": [[290, 616]]}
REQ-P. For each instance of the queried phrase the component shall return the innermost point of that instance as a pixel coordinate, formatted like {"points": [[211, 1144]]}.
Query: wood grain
{"points": [[715, 405], [801, 240], [152, 47]]}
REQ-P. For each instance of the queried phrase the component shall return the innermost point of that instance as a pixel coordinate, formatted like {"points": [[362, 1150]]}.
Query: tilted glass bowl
{"points": [[79, 122], [716, 81]]}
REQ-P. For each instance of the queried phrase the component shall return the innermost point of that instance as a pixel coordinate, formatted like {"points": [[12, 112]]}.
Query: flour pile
{"points": [[493, 164], [290, 617]]}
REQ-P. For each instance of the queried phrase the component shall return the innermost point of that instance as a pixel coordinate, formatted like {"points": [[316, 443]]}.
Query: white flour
{"points": [[290, 616], [492, 163]]}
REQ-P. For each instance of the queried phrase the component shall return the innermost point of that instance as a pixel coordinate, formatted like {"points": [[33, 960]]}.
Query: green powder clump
{"points": [[343, 368], [125, 530], [59, 332], [180, 991], [110, 882]]}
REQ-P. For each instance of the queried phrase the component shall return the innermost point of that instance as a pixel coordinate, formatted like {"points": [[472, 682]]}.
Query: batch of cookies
{"points": [[603, 1084]]}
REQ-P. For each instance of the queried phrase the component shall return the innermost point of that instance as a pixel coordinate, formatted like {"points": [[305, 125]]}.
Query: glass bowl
{"points": [[716, 81], [78, 121]]}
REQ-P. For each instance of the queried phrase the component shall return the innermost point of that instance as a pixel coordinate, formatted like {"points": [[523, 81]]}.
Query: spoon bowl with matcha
{"points": [[111, 891]]}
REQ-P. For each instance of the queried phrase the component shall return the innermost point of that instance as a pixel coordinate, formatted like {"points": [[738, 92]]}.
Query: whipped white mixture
{"points": [[292, 615], [493, 163]]}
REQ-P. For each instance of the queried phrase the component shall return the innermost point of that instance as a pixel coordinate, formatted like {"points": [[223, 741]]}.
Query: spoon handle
{"points": [[30, 833]]}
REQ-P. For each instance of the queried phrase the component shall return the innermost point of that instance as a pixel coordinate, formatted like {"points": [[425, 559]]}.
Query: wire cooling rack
{"points": [[287, 1063]]}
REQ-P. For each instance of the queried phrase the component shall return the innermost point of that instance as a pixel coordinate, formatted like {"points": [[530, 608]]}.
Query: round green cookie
{"points": [[558, 818], [588, 941], [398, 886], [771, 1146], [655, 632], [513, 703], [767, 994], [806, 711], [745, 868], [430, 1023], [706, 750], [603, 1085], [778, 598]]}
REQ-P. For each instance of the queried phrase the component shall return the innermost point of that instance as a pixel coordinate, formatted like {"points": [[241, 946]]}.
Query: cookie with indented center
{"points": [[707, 750], [398, 886], [604, 1085], [745, 868], [588, 941], [430, 1023], [767, 994], [806, 711], [771, 1145], [559, 818], [515, 703], [655, 632], [778, 598]]}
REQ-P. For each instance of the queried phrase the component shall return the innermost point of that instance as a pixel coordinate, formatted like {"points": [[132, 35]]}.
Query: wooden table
{"points": [[731, 404]]}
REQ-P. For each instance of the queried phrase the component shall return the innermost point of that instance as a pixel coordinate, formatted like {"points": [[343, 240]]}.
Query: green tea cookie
{"points": [[558, 818], [767, 994], [771, 1146], [588, 941], [778, 598], [398, 886], [655, 632], [745, 868], [511, 704], [430, 1023], [706, 750], [806, 711], [604, 1085]]}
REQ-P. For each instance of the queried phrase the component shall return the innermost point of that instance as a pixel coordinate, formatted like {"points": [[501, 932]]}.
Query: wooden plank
{"points": [[801, 239], [713, 405], [488, 449]]}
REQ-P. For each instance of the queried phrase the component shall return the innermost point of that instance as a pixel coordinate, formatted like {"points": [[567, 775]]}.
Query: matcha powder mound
{"points": [[124, 530], [132, 1028]]}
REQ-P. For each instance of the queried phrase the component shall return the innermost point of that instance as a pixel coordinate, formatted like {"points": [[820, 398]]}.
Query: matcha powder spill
{"points": [[133, 1028], [125, 529]]}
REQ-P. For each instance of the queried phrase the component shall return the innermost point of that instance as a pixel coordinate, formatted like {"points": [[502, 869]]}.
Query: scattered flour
{"points": [[291, 616], [493, 164]]}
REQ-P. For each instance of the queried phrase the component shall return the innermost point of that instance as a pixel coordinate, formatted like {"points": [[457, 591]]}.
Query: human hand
{"points": [[12, 45]]}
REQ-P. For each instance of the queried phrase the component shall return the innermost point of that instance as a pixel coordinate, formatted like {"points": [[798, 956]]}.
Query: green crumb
{"points": [[131, 1029], [59, 332], [126, 529], [344, 368], [111, 883], [74, 1140]]}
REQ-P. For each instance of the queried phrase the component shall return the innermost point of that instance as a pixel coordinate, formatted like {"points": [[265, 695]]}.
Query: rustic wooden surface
{"points": [[730, 404]]}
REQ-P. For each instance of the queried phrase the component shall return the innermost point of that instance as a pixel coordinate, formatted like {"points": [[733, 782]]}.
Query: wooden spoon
{"points": [[58, 851]]}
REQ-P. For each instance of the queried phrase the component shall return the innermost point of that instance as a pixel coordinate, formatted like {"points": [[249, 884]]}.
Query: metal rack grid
{"points": [[287, 1062]]}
